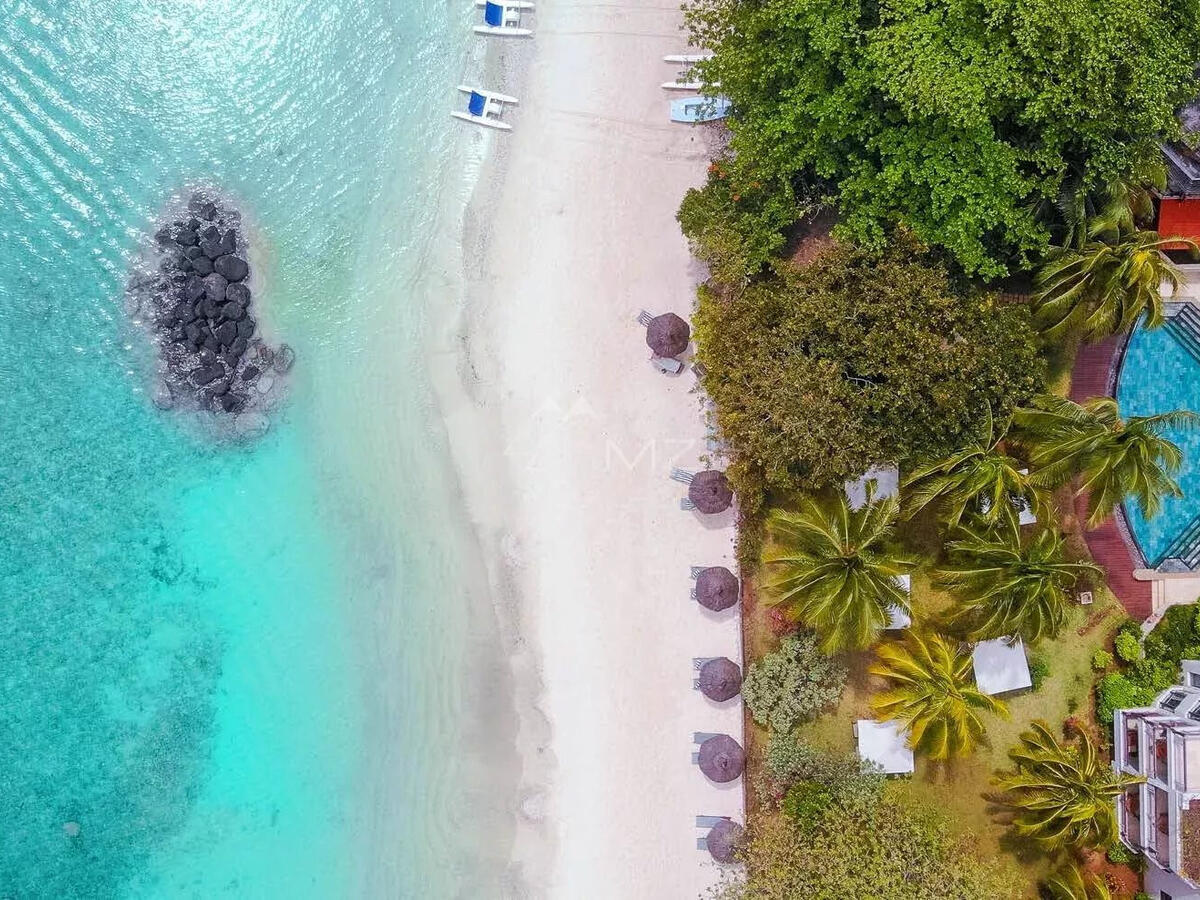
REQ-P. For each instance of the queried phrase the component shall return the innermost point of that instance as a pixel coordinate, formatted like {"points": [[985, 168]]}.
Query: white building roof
{"points": [[884, 744], [1001, 667]]}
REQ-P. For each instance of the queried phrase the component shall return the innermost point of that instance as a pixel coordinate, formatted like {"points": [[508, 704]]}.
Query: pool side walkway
{"points": [[1090, 378]]}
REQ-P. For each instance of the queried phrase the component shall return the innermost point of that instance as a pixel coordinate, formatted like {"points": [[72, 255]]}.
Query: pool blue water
{"points": [[1159, 375], [239, 670]]}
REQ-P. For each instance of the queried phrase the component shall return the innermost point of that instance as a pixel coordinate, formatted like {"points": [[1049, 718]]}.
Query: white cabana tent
{"points": [[885, 745], [887, 484], [1001, 667]]}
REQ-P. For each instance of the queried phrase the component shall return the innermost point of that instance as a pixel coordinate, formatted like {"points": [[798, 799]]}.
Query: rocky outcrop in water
{"points": [[194, 294]]}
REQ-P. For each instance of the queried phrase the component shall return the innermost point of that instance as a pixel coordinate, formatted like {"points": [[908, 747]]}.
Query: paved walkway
{"points": [[1090, 378]]}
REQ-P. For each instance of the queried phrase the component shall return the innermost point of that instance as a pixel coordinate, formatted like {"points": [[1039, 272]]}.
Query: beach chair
{"points": [[682, 475], [702, 843], [710, 821], [699, 661], [699, 737], [696, 570], [644, 319], [699, 370], [503, 18], [687, 505], [696, 759], [1085, 598], [668, 365], [693, 594]]}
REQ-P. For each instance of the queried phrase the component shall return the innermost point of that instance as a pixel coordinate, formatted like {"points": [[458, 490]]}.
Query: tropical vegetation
{"points": [[856, 360], [1115, 458], [1072, 882], [1008, 584], [1061, 796], [836, 569], [980, 479], [965, 125], [856, 835], [1108, 285], [793, 684], [932, 693]]}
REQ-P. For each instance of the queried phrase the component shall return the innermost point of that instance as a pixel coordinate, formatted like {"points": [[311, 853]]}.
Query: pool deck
{"points": [[1092, 377]]}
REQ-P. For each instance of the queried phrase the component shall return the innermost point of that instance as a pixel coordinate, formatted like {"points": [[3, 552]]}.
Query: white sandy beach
{"points": [[565, 438]]}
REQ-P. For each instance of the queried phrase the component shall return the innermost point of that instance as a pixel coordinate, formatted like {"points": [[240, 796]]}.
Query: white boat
{"points": [[683, 82], [485, 108], [700, 109], [682, 85], [687, 58], [504, 18]]}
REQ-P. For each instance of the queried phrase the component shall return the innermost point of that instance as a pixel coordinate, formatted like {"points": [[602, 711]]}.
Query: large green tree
{"points": [[835, 568], [876, 844], [961, 119], [855, 360]]}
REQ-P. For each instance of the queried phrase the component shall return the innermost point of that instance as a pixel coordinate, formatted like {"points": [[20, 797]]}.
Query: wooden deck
{"points": [[1090, 378]]}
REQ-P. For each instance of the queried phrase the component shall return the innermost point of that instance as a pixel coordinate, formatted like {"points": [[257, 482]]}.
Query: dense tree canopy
{"points": [[853, 361], [869, 844], [964, 120]]}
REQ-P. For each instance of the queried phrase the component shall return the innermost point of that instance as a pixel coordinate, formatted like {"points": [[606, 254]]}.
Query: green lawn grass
{"points": [[958, 788]]}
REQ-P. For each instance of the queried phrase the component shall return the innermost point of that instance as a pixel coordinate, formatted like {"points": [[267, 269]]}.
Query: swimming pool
{"points": [[1160, 373]]}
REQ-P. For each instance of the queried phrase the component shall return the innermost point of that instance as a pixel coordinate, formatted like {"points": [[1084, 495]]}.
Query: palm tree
{"points": [[933, 694], [1062, 796], [1117, 458], [1007, 585], [1110, 282], [1072, 883], [981, 478], [835, 568]]}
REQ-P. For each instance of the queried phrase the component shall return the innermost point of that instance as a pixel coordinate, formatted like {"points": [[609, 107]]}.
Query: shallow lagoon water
{"points": [[247, 671]]}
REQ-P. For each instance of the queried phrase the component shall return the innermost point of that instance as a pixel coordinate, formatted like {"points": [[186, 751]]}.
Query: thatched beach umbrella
{"points": [[722, 758], [668, 335], [723, 839], [710, 491], [720, 678], [717, 588]]}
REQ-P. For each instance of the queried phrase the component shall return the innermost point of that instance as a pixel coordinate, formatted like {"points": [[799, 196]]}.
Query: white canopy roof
{"points": [[884, 745], [1001, 667]]}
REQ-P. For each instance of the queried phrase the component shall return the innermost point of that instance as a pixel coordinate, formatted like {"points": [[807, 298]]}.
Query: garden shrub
{"points": [[1115, 691], [792, 684], [1120, 855], [1128, 647], [1039, 671], [789, 761], [806, 801], [1101, 660]]}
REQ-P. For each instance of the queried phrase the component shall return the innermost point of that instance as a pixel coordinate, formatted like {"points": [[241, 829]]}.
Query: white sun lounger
{"points": [[668, 365]]}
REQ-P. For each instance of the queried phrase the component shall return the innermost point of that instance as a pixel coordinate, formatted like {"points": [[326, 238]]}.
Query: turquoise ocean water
{"points": [[1159, 375], [244, 671]]}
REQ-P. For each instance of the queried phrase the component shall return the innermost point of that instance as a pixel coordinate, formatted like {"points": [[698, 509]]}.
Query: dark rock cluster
{"points": [[199, 307]]}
